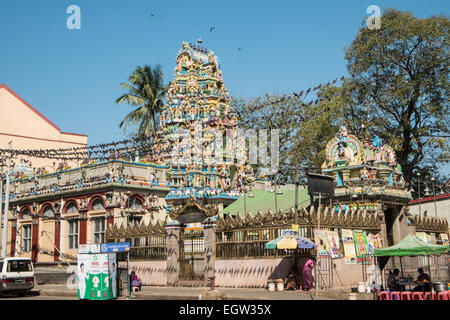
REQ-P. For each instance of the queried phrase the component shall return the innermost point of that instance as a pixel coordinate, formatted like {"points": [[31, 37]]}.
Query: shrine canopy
{"points": [[411, 246]]}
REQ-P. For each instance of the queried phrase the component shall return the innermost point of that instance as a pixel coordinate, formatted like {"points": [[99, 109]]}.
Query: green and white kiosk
{"points": [[98, 270]]}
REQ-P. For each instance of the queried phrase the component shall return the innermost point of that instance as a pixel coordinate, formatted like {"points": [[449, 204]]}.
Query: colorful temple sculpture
{"points": [[368, 178], [197, 110], [188, 212]]}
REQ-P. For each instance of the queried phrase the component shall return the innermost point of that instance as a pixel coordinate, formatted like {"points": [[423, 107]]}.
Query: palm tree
{"points": [[146, 91]]}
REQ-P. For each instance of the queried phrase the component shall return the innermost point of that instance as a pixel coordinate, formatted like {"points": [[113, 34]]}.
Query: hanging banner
{"points": [[422, 236], [428, 238], [321, 239], [362, 250], [112, 260], [370, 246], [349, 246], [433, 238], [334, 244], [444, 239]]}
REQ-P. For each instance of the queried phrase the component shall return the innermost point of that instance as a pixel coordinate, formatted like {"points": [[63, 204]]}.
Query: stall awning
{"points": [[411, 246]]}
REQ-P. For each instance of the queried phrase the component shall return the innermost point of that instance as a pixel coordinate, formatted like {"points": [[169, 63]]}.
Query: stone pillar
{"points": [[13, 236], [383, 230], [403, 227], [345, 175], [35, 239], [83, 227], [210, 247], [173, 253], [57, 238]]}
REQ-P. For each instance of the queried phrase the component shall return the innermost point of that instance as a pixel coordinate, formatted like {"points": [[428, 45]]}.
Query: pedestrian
{"points": [[135, 281], [307, 274], [423, 281], [393, 281]]}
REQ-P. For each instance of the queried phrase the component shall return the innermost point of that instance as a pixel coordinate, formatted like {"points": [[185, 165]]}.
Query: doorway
{"points": [[192, 257]]}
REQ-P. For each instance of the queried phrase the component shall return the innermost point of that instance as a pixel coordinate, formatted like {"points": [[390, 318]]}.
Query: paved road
{"points": [[33, 296]]}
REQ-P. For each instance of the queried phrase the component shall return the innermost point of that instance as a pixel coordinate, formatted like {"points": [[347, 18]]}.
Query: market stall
{"points": [[412, 246]]}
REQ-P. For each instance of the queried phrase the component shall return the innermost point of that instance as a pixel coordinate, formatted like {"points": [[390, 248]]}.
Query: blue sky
{"points": [[73, 76]]}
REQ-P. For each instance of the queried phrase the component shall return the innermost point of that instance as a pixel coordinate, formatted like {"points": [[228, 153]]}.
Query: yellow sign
{"points": [[295, 227]]}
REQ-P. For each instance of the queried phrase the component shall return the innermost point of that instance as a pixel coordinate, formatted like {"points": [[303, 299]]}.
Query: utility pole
{"points": [[5, 216], [295, 215]]}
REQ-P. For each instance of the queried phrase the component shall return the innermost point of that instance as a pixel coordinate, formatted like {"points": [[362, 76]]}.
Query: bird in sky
{"points": [[211, 29], [151, 15], [239, 49]]}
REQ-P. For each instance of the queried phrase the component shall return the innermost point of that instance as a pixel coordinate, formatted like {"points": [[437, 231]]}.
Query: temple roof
{"points": [[264, 201]]}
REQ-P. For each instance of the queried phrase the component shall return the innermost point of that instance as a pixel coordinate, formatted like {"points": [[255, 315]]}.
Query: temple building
{"points": [[28, 129], [189, 219]]}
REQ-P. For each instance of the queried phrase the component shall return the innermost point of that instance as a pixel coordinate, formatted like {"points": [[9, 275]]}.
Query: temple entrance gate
{"points": [[192, 256]]}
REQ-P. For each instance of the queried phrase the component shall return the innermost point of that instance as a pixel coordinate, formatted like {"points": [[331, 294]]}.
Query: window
{"points": [[135, 203], [26, 238], [98, 205], [73, 234], [19, 266], [99, 231], [48, 211], [72, 208], [26, 214]]}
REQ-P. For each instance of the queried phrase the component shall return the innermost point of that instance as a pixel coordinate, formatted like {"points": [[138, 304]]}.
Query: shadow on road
{"points": [[32, 293]]}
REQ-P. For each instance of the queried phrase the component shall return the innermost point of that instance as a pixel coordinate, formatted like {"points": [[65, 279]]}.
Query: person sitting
{"points": [[393, 281], [135, 281], [423, 281], [291, 280]]}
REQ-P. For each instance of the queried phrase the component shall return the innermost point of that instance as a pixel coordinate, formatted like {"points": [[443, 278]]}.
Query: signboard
{"points": [[433, 238], [334, 244], [89, 248], [362, 250], [93, 276], [321, 239], [349, 246], [318, 183], [115, 247], [422, 236], [444, 239], [295, 228], [192, 217]]}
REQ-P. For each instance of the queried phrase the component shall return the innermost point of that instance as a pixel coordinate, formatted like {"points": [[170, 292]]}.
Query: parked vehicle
{"points": [[17, 275]]}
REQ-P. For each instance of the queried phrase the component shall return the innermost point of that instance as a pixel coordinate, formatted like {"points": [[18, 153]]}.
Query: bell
{"points": [[427, 192]]}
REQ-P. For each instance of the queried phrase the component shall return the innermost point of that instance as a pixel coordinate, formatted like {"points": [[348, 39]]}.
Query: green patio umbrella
{"points": [[411, 246]]}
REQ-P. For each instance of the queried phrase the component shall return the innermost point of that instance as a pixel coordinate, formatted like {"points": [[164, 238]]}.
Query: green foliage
{"points": [[146, 92], [399, 87], [304, 129]]}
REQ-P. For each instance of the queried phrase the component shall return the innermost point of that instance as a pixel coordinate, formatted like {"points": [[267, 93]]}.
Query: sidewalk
{"points": [[193, 293]]}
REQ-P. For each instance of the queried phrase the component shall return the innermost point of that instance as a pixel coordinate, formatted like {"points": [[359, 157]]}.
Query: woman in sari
{"points": [[307, 275]]}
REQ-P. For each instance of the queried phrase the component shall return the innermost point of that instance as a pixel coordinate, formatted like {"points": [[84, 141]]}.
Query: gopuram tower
{"points": [[203, 173]]}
